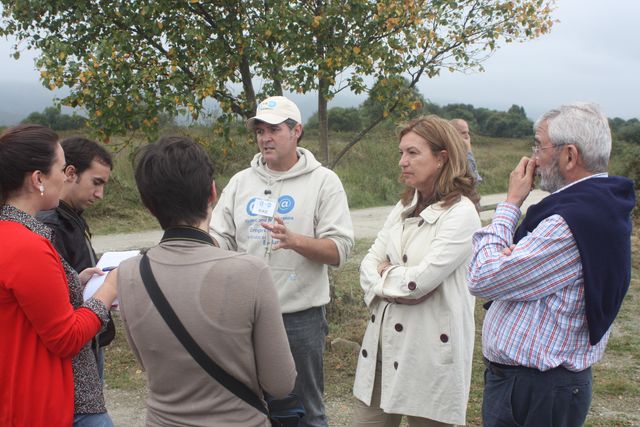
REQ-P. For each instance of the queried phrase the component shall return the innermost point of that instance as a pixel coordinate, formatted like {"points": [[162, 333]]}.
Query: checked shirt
{"points": [[537, 318]]}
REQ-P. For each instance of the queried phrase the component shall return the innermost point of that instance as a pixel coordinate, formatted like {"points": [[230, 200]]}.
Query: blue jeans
{"points": [[519, 396], [306, 331], [92, 420]]}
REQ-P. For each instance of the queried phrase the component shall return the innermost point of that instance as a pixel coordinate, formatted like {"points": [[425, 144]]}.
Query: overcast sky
{"points": [[592, 54]]}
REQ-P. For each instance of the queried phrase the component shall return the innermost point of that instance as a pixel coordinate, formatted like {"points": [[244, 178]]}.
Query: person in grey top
{"points": [[463, 129], [226, 301]]}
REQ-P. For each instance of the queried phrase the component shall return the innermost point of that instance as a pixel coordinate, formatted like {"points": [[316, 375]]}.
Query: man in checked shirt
{"points": [[557, 280]]}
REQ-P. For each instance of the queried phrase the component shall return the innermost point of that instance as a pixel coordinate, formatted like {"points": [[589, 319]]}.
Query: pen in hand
{"points": [[105, 269]]}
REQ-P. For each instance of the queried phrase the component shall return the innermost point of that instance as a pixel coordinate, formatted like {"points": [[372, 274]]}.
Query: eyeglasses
{"points": [[535, 149]]}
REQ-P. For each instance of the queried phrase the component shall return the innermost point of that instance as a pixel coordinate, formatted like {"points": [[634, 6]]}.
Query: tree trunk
{"points": [[323, 122], [354, 141], [247, 85], [277, 85]]}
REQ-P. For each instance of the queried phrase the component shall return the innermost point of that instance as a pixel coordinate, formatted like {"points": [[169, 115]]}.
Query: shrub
{"points": [[340, 120], [51, 117], [630, 132]]}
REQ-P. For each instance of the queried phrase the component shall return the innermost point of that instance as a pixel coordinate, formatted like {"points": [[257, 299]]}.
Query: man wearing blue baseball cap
{"points": [[291, 211]]}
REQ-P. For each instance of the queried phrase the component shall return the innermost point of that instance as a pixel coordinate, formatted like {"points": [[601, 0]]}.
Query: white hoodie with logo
{"points": [[311, 201]]}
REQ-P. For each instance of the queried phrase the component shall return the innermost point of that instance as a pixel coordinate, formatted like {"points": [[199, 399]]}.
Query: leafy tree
{"points": [[431, 108], [616, 123], [52, 118], [513, 123], [340, 120], [481, 116], [378, 103], [128, 61], [460, 111], [517, 111], [630, 131], [498, 124]]}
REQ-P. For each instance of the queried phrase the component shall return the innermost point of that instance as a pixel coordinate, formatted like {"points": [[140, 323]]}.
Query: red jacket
{"points": [[40, 331]]}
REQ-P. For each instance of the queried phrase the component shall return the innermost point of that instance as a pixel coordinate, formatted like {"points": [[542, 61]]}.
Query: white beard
{"points": [[550, 178]]}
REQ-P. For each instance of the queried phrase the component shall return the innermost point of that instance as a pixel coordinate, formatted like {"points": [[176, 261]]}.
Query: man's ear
{"points": [[298, 130], [213, 197], [71, 173], [573, 156]]}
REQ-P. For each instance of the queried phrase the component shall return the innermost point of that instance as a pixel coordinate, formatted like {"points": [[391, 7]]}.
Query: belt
{"points": [[500, 370]]}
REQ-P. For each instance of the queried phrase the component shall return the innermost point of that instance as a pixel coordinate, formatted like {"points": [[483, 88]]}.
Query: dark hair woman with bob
{"points": [[42, 327], [226, 301]]}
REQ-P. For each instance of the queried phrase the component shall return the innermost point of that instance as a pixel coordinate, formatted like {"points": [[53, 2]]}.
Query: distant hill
{"points": [[19, 99]]}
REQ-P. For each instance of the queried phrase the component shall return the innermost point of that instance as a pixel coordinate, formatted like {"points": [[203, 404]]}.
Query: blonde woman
{"points": [[416, 353]]}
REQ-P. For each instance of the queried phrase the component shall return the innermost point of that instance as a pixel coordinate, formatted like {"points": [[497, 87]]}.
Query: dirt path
{"points": [[366, 223]]}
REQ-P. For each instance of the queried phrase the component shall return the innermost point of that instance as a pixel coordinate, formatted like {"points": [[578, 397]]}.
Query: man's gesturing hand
{"points": [[288, 239]]}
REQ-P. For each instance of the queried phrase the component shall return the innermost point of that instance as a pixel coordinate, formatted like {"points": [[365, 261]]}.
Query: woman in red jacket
{"points": [[41, 332]]}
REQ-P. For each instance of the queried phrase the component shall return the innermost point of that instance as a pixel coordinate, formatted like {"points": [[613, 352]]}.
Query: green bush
{"points": [[340, 120], [630, 132], [51, 117], [625, 161]]}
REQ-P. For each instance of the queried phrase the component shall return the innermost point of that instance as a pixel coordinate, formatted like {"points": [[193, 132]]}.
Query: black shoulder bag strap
{"points": [[166, 311]]}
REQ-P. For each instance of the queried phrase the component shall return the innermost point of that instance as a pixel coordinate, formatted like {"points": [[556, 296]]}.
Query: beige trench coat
{"points": [[427, 348]]}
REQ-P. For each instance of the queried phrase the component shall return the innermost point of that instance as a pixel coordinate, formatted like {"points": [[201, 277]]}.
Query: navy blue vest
{"points": [[598, 212]]}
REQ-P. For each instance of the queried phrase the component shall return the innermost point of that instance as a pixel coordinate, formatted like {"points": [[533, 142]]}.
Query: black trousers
{"points": [[519, 396]]}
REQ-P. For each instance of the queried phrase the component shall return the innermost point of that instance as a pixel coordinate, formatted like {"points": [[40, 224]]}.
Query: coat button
{"points": [[411, 286], [364, 353], [420, 223], [373, 318], [404, 258], [395, 365], [444, 338], [398, 327]]}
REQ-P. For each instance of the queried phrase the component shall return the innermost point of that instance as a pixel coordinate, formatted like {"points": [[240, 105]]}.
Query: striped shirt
{"points": [[537, 318]]}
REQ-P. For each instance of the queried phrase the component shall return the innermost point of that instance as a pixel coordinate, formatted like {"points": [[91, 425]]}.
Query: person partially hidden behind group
{"points": [[45, 322], [226, 301], [462, 127], [87, 169], [417, 350]]}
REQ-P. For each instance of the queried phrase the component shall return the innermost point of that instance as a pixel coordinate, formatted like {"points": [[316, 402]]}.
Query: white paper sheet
{"points": [[108, 259]]}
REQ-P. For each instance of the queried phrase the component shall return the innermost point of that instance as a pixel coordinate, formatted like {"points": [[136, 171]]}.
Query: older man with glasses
{"points": [[557, 280]]}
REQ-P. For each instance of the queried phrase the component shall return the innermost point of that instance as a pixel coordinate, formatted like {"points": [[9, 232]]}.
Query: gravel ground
{"points": [[127, 408]]}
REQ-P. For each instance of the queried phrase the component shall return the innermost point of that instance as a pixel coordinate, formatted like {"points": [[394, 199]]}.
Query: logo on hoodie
{"points": [[286, 204]]}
